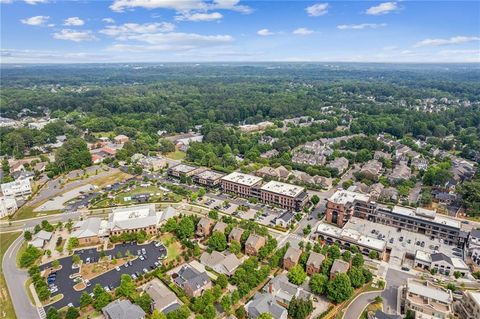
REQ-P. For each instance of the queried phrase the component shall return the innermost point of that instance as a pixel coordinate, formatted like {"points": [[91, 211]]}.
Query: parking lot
{"points": [[110, 279], [401, 241]]}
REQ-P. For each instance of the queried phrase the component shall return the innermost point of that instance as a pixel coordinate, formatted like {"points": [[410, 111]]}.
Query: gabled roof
{"points": [[87, 228], [44, 235], [315, 259], [441, 257], [255, 240], [220, 227], [123, 309], [224, 264], [293, 254], [189, 276], [265, 303], [236, 233], [339, 266], [204, 222]]}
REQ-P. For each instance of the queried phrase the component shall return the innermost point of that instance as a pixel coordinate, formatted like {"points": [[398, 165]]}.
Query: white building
{"points": [[441, 263], [8, 206], [428, 300], [18, 188]]}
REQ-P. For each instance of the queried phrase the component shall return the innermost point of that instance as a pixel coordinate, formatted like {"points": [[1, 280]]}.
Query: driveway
{"points": [[16, 278], [110, 278]]}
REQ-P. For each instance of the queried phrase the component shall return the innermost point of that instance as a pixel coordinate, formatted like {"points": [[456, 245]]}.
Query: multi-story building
{"points": [[8, 206], [244, 185], [314, 263], [208, 178], [134, 219], [253, 244], [441, 263], [182, 170], [342, 205], [291, 258], [18, 188], [469, 306], [427, 300], [204, 226], [285, 195]]}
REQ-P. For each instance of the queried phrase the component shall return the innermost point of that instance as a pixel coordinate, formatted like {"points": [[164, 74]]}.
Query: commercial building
{"points": [[182, 170], [427, 300], [285, 195], [8, 206], [208, 178], [441, 263], [89, 231], [18, 188], [342, 205], [133, 219]]}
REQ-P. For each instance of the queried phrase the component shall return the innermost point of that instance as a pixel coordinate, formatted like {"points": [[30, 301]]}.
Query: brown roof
{"points": [[204, 222], [220, 227], [236, 234], [339, 266], [315, 259], [293, 254], [255, 241]]}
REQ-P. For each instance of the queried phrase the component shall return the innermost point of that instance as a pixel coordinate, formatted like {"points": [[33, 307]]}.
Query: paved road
{"points": [[111, 278], [15, 282]]}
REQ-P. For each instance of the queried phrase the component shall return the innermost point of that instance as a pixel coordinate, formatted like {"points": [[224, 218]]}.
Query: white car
{"points": [[141, 257], [157, 244], [87, 261], [106, 289], [134, 276], [117, 268], [88, 283], [53, 290]]}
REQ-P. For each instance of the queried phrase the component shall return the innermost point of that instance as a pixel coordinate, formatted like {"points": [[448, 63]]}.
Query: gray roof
{"points": [[475, 233], [441, 257], [293, 254], [236, 233], [220, 227], [287, 216], [189, 276], [44, 235], [283, 290], [165, 300], [87, 228], [315, 259], [265, 303], [339, 266], [123, 309], [224, 264], [382, 315]]}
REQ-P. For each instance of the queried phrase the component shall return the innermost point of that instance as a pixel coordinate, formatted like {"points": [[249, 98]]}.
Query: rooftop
{"points": [[133, 217], [209, 174], [283, 188], [183, 168], [429, 290], [426, 214], [343, 197], [243, 179]]}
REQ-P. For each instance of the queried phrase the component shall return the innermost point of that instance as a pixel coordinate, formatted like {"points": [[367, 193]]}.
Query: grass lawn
{"points": [[174, 248], [6, 305], [103, 134], [371, 308], [110, 179], [26, 212], [177, 155]]}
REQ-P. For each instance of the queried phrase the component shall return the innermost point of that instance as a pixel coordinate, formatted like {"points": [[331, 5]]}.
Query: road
{"points": [[15, 282], [394, 280]]}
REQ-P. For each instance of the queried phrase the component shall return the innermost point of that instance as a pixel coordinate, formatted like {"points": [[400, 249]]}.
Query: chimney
{"points": [[270, 287]]}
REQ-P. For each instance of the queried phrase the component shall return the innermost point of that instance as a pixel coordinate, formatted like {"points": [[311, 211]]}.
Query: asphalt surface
{"points": [[16, 278], [111, 278]]}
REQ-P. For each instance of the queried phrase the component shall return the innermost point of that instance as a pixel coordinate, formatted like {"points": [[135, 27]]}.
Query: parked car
{"points": [[117, 268]]}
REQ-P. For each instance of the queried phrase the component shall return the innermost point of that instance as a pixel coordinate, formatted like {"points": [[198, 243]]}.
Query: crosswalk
{"points": [[41, 313]]}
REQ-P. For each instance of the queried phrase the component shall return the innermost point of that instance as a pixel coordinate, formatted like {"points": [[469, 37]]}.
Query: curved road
{"points": [[16, 278]]}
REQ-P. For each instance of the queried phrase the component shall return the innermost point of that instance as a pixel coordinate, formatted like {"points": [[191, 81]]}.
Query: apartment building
{"points": [[18, 188], [208, 178], [244, 185], [287, 196], [427, 300], [8, 206], [342, 205], [469, 306]]}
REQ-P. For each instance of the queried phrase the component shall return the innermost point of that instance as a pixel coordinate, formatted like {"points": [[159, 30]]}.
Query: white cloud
{"points": [[317, 10], [180, 5], [450, 41], [199, 16], [108, 20], [6, 1], [74, 35], [361, 26], [125, 31], [34, 2], [302, 31], [382, 8], [74, 21], [36, 20], [265, 32]]}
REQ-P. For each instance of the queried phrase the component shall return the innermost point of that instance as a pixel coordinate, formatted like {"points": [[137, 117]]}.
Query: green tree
{"points": [[300, 308], [222, 281], [357, 260], [213, 214], [72, 313], [373, 254], [265, 315], [217, 241], [145, 302], [52, 313], [339, 289], [29, 256], [185, 228], [297, 275], [318, 284], [356, 277], [73, 154], [315, 200], [347, 255], [127, 286], [209, 312], [226, 303], [235, 247], [27, 235], [158, 315], [85, 299], [76, 259]]}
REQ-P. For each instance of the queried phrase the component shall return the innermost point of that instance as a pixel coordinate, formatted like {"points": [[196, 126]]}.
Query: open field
{"points": [[6, 306], [26, 212], [177, 155], [110, 179]]}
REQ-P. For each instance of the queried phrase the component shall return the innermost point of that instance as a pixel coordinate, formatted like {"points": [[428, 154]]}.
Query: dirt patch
{"points": [[80, 286], [90, 271]]}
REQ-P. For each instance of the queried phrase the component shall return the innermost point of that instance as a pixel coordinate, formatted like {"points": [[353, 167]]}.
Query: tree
{"points": [[373, 254], [318, 284], [85, 299], [102, 300], [457, 274], [333, 252], [73, 154], [127, 286], [235, 247], [356, 277], [222, 281], [346, 255], [185, 228], [451, 286], [27, 235], [340, 288], [213, 214], [217, 241], [265, 315], [72, 313], [315, 200], [52, 313], [55, 263], [29, 256], [72, 243], [145, 302], [300, 308], [76, 259], [357, 260], [209, 312], [158, 315], [297, 275], [226, 303]]}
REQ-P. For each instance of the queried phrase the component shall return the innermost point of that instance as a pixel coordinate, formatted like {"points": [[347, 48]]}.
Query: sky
{"points": [[67, 31]]}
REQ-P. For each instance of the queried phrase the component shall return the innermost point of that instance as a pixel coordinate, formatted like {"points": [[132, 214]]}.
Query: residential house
{"points": [[291, 257], [269, 154], [390, 193], [372, 169], [339, 163], [441, 263], [120, 139], [220, 227], [280, 172], [400, 173], [192, 281], [427, 300], [314, 263], [468, 307], [283, 291], [123, 309], [376, 190], [285, 219], [97, 158], [221, 263], [420, 163], [338, 267], [379, 154], [163, 299], [253, 244], [183, 144], [204, 227], [107, 151], [265, 303], [235, 234]]}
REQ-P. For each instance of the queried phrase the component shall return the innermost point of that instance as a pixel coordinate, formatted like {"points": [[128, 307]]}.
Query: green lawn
{"points": [[173, 246], [6, 305], [177, 155], [26, 212]]}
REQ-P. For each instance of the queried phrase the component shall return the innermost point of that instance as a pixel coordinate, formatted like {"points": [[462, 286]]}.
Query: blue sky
{"points": [[64, 31]]}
